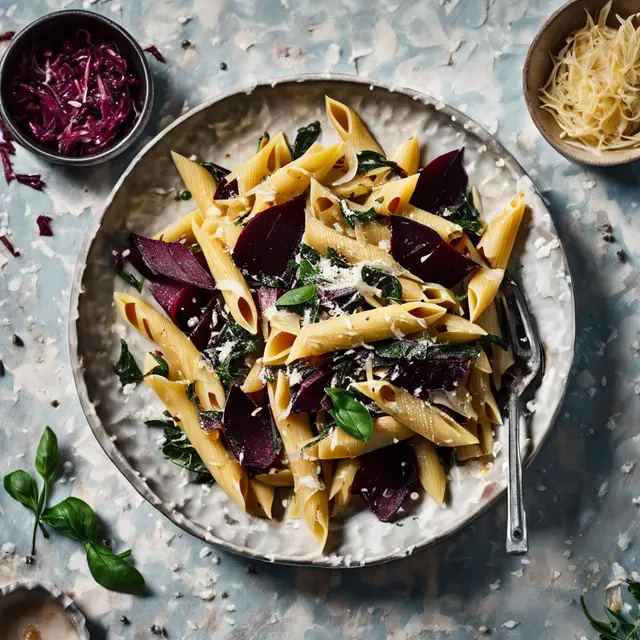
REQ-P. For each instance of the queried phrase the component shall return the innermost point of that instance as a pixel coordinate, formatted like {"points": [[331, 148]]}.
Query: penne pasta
{"points": [[260, 498], [430, 470], [349, 127], [199, 182], [482, 289], [339, 444], [340, 490], [407, 155], [346, 332], [392, 197], [295, 431], [451, 328], [502, 360], [180, 228], [254, 382], [285, 327], [420, 416], [281, 478], [500, 235], [446, 229], [184, 360], [229, 279]]}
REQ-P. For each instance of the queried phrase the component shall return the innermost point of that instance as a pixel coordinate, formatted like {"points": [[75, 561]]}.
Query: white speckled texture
{"points": [[225, 132], [579, 500]]}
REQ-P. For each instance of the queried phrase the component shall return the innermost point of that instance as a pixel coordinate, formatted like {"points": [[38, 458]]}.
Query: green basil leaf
{"points": [[129, 278], [336, 259], [388, 285], [497, 340], [23, 488], [310, 254], [602, 628], [126, 368], [352, 216], [462, 296], [296, 296], [263, 139], [350, 415], [326, 430], [47, 455], [161, 369], [369, 160], [619, 622], [305, 137], [73, 518], [158, 423], [177, 449], [465, 215], [219, 173], [634, 590], [113, 572], [307, 273]]}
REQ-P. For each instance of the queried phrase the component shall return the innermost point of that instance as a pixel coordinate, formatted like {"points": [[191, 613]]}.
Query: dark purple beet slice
{"points": [[209, 421], [248, 434], [267, 297], [422, 251], [441, 183], [158, 261], [310, 393], [181, 303], [437, 373], [201, 334], [334, 294], [270, 239], [385, 478], [44, 225], [226, 190]]}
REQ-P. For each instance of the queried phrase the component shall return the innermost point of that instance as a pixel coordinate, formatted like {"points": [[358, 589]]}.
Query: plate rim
{"points": [[95, 424]]}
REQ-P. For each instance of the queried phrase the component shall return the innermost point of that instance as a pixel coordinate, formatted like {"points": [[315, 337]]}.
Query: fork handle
{"points": [[517, 537]]}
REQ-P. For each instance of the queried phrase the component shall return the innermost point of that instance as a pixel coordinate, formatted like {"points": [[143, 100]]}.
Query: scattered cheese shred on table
{"points": [[594, 88]]}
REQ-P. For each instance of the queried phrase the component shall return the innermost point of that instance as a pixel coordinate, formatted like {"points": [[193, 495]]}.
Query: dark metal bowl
{"points": [[61, 23]]}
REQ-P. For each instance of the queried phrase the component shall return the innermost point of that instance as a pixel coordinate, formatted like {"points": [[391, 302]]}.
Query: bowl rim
{"points": [[147, 93], [533, 103], [77, 367]]}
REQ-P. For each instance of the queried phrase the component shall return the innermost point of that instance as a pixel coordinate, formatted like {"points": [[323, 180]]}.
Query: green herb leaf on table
{"points": [[352, 216], [349, 414], [263, 139], [47, 456], [73, 518], [130, 279], [297, 296], [22, 487], [305, 137], [113, 572], [161, 369], [603, 628], [388, 285], [619, 623], [127, 368], [465, 215], [369, 160], [634, 590]]}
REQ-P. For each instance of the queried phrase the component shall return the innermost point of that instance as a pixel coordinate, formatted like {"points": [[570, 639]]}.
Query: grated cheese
{"points": [[593, 91]]}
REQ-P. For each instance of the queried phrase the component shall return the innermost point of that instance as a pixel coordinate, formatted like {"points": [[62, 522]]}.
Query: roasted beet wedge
{"points": [[385, 478], [160, 261], [249, 431], [210, 321], [441, 183], [267, 297], [440, 373], [308, 397], [270, 239], [423, 252], [226, 190], [181, 303]]}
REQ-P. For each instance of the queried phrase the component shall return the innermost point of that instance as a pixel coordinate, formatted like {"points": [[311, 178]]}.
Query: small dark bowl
{"points": [[66, 22]]}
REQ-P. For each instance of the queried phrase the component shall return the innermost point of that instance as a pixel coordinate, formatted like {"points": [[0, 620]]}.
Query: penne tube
{"points": [[199, 182], [340, 491], [260, 498], [295, 430], [253, 382], [471, 451], [466, 248], [349, 127], [183, 358], [180, 228], [430, 470], [325, 205], [451, 328], [346, 332], [501, 359], [446, 229], [482, 289], [229, 279], [392, 197], [420, 416], [500, 234], [281, 478], [339, 444], [483, 363], [407, 155], [375, 233], [285, 327], [224, 468]]}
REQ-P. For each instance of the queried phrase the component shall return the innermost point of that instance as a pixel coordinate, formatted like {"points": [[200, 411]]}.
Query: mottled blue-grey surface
{"points": [[580, 490]]}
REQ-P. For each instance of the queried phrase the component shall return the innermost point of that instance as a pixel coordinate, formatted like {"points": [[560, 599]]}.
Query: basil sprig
{"points": [[369, 160], [219, 173], [127, 368], [72, 517], [177, 448], [622, 625], [349, 414], [130, 279], [305, 137], [465, 215], [388, 285], [296, 296], [352, 216], [161, 369]]}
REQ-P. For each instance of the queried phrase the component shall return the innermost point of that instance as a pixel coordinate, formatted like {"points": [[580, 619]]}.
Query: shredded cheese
{"points": [[593, 91]]}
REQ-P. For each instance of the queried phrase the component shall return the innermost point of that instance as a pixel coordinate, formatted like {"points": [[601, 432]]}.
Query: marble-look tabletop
{"points": [[579, 492]]}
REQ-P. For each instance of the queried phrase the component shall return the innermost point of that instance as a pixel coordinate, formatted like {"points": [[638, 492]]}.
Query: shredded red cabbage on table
{"points": [[6, 36], [75, 95], [44, 225], [8, 149]]}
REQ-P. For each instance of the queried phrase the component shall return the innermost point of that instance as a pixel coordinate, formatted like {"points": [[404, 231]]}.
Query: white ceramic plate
{"points": [[225, 130]]}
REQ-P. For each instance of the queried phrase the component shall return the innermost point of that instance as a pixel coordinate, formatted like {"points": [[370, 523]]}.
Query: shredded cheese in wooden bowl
{"points": [[593, 91]]}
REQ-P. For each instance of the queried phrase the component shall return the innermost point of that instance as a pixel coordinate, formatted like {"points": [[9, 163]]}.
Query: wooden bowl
{"points": [[538, 65]]}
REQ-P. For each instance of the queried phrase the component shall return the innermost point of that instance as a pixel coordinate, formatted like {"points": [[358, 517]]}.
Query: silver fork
{"points": [[528, 356]]}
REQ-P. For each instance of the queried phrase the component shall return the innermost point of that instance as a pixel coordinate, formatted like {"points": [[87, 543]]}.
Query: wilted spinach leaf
{"points": [[305, 137]]}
